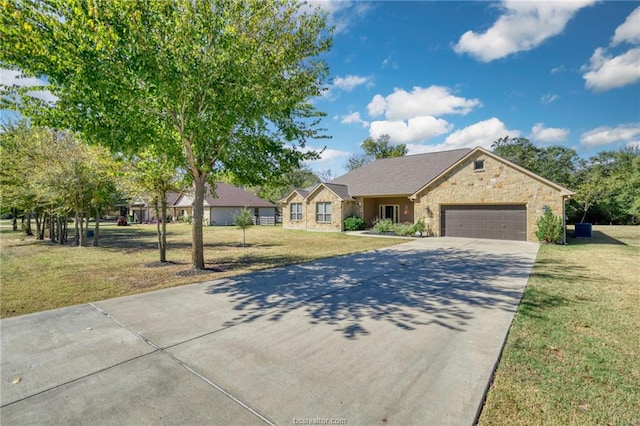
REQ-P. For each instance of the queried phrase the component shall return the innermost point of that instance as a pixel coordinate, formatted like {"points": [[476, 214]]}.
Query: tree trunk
{"points": [[27, 228], [43, 226], [60, 234], [76, 227], [584, 215], [96, 230], [52, 227], [197, 249], [36, 216], [86, 230], [82, 236], [14, 221], [161, 226]]}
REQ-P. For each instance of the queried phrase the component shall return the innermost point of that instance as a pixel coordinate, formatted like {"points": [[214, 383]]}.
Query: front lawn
{"points": [[573, 352], [38, 275]]}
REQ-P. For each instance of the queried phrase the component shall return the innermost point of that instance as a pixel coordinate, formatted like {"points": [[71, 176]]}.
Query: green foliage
{"points": [[375, 149], [221, 86], [243, 220], [556, 163], [410, 229], [384, 225], [354, 223], [52, 172], [608, 188], [401, 229], [278, 187], [549, 228]]}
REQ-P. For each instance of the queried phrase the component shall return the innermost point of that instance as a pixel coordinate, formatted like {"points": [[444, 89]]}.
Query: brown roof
{"points": [[230, 196], [398, 175], [340, 190]]}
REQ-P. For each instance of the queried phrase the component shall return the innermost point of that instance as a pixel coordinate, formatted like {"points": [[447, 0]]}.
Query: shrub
{"points": [[384, 225], [354, 223], [549, 227], [402, 229], [243, 219], [419, 226]]}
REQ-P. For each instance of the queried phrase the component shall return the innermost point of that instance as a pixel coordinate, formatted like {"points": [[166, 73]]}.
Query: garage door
{"points": [[493, 222]]}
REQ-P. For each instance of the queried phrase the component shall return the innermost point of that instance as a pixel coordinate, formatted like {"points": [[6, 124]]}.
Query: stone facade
{"points": [[498, 183], [340, 209]]}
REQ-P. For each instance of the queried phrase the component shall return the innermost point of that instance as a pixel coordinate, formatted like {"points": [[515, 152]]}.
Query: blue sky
{"points": [[445, 75]]}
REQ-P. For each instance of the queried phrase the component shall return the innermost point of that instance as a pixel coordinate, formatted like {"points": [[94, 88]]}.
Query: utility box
{"points": [[583, 230]]}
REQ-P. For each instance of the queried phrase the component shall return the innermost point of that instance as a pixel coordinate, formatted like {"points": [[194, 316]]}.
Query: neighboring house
{"points": [[461, 193], [143, 211], [229, 200]]}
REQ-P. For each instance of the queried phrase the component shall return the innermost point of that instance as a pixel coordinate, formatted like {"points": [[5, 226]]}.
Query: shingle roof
{"points": [[226, 196], [341, 191], [398, 175], [232, 196]]}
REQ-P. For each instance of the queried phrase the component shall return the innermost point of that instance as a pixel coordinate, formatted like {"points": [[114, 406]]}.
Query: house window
{"points": [[296, 211], [478, 165], [323, 212]]}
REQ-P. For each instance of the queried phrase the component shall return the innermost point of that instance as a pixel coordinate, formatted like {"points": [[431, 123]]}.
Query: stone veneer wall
{"points": [[498, 183], [286, 214], [339, 211]]}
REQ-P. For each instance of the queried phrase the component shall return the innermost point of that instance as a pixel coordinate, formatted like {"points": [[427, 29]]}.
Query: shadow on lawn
{"points": [[409, 289], [598, 237]]}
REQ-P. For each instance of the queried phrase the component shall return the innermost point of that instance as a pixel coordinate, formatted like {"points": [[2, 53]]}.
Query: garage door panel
{"points": [[504, 222]]}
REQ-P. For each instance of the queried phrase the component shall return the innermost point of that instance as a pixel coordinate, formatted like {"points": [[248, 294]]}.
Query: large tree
{"points": [[227, 81], [375, 149], [556, 163]]}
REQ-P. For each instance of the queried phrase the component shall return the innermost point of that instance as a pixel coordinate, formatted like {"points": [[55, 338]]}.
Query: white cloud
{"points": [[13, 78], [556, 70], [345, 84], [523, 26], [629, 30], [9, 78], [549, 97], [609, 72], [377, 106], [430, 101], [353, 118], [605, 71], [349, 82], [415, 129], [548, 135], [340, 14], [389, 62], [482, 133], [328, 155], [604, 135]]}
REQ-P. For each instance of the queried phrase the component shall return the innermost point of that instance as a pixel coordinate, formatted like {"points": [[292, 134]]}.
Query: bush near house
{"points": [[354, 223], [401, 229], [549, 228]]}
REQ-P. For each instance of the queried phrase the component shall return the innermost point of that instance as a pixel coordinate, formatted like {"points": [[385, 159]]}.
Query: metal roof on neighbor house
{"points": [[398, 175]]}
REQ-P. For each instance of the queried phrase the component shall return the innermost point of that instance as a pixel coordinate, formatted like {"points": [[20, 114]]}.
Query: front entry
{"points": [[390, 211]]}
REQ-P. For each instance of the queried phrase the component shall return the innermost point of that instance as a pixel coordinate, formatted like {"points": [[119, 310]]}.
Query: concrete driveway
{"points": [[405, 335]]}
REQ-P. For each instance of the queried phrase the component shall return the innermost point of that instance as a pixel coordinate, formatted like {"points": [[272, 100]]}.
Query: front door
{"points": [[390, 211]]}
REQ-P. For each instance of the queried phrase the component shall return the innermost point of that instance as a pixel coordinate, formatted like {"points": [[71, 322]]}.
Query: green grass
{"points": [[38, 275], [573, 353]]}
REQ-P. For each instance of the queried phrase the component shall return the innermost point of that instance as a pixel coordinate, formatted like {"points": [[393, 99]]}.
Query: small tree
{"points": [[549, 227], [243, 219]]}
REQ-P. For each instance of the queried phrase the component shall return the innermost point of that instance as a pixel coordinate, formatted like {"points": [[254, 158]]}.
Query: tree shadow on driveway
{"points": [[409, 289]]}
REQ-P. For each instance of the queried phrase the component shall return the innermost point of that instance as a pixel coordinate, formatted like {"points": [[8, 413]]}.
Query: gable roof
{"points": [[302, 192], [398, 175], [227, 196], [341, 191], [564, 191]]}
